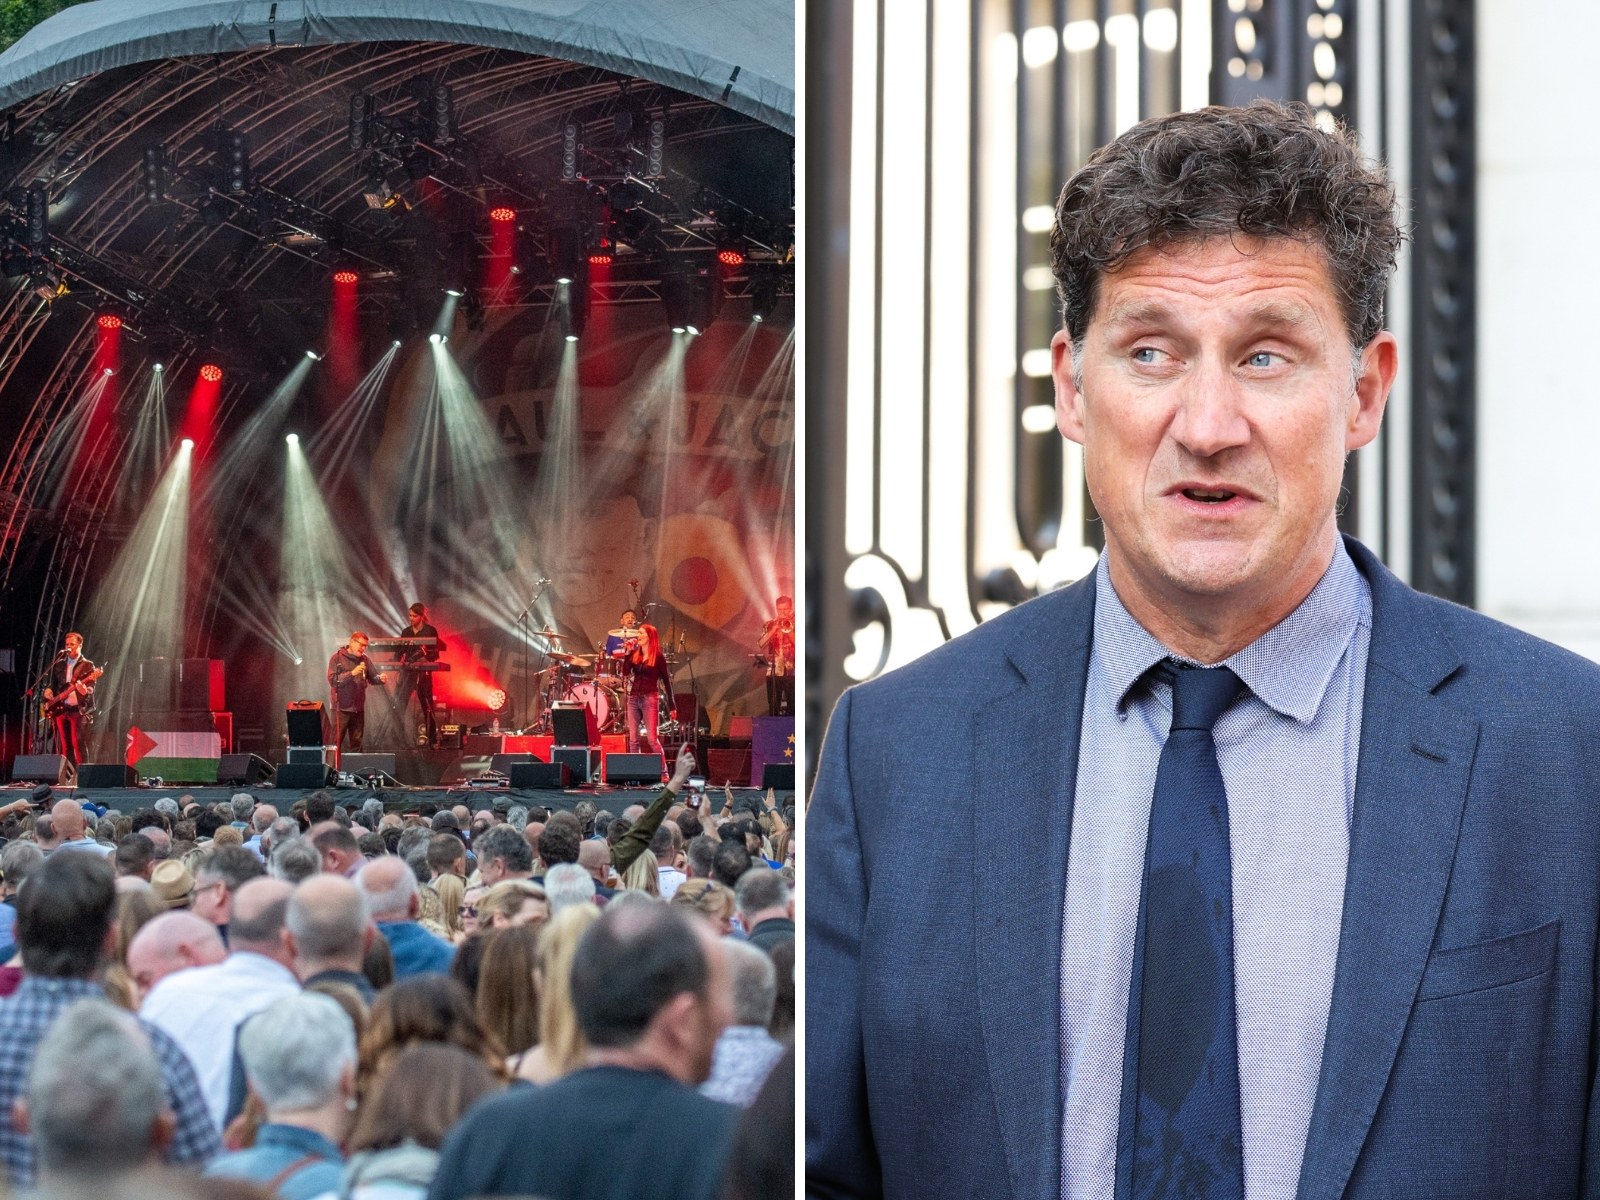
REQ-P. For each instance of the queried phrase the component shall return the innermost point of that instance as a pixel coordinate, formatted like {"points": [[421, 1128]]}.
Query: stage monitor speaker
{"points": [[300, 755], [634, 768], [42, 768], [501, 764], [107, 775], [576, 759], [303, 775], [243, 770], [305, 722], [573, 725], [778, 776], [360, 764], [551, 776]]}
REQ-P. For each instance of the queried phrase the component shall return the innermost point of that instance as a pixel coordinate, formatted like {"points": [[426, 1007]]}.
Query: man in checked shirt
{"points": [[64, 928]]}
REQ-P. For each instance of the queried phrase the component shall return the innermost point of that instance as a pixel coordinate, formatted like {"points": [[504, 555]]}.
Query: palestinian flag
{"points": [[175, 757]]}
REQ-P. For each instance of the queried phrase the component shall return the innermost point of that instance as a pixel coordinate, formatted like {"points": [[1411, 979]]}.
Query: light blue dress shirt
{"points": [[1287, 751]]}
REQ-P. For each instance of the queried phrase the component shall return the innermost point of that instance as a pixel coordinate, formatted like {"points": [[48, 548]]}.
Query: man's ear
{"points": [[20, 1118], [1069, 400], [162, 1130], [290, 944]]}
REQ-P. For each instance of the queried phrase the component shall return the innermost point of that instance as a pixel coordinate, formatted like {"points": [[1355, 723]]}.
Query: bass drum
{"points": [[597, 698]]}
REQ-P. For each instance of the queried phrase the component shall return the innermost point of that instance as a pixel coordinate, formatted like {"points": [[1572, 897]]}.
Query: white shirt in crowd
{"points": [[202, 1008], [670, 878]]}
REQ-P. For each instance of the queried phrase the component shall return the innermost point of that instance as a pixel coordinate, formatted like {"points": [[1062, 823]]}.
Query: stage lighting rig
{"points": [[441, 112], [211, 373], [730, 250], [109, 321], [345, 276], [502, 213], [655, 148]]}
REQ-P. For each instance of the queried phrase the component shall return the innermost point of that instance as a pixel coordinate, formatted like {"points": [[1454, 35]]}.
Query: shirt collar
{"points": [[293, 1137], [1288, 668], [65, 988]]}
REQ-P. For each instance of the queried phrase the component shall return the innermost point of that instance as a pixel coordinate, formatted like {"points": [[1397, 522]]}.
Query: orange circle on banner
{"points": [[700, 568]]}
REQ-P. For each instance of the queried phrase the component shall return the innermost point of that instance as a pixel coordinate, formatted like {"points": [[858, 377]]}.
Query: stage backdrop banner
{"points": [[174, 757]]}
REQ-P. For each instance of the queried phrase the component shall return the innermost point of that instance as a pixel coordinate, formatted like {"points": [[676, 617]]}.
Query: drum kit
{"points": [[595, 680]]}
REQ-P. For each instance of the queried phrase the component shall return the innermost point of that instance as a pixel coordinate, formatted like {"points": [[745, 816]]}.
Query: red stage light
{"points": [[210, 373], [600, 258], [730, 256], [502, 213], [344, 276], [110, 321]]}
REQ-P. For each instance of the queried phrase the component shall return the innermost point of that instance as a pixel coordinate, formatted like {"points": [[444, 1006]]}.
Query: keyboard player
{"points": [[420, 682]]}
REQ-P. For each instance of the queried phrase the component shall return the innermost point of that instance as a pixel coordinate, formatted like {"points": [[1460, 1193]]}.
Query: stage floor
{"points": [[398, 800]]}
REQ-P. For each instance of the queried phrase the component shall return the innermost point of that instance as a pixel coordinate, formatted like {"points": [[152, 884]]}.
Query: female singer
{"points": [[647, 672]]}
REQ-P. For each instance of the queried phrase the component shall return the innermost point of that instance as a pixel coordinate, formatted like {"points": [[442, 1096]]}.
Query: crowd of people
{"points": [[230, 1000]]}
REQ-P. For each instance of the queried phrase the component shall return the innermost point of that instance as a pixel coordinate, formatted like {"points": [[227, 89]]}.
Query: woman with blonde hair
{"points": [[642, 875], [562, 1047], [708, 898], [135, 907], [513, 902], [450, 889]]}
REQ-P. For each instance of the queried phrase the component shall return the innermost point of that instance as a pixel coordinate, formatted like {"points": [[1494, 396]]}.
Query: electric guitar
{"points": [[78, 687]]}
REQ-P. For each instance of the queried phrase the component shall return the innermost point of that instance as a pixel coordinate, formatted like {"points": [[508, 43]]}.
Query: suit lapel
{"points": [[1026, 763], [1411, 783]]}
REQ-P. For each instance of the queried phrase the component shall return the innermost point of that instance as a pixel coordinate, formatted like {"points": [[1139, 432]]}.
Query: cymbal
{"points": [[579, 659], [550, 635], [624, 633]]}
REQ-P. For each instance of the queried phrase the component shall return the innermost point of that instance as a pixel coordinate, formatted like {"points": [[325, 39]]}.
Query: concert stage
{"points": [[399, 800]]}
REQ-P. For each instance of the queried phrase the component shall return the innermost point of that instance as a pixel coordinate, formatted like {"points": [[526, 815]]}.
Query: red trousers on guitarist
{"points": [[67, 741]]}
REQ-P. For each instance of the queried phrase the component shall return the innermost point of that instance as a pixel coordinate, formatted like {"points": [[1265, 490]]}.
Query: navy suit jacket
{"points": [[1460, 1050]]}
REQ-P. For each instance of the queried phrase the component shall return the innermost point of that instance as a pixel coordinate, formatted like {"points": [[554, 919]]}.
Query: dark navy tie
{"points": [[1179, 1135]]}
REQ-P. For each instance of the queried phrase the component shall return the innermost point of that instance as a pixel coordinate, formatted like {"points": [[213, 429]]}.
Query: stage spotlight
{"points": [[691, 331], [438, 339], [293, 439], [110, 321], [501, 213], [187, 443], [677, 329], [211, 373], [456, 292], [345, 276], [109, 371], [600, 256], [572, 337], [730, 251], [158, 368], [313, 356], [397, 341], [497, 699]]}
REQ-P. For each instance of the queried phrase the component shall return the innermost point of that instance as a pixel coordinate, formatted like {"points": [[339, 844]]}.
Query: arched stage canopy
{"points": [[739, 53]]}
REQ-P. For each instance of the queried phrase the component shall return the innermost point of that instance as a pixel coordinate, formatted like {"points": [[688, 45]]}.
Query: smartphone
{"points": [[697, 783]]}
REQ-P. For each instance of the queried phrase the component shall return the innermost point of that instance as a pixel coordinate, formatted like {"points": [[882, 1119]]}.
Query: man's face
{"points": [[493, 871], [785, 610], [358, 645], [212, 900], [75, 646], [1216, 410], [630, 620]]}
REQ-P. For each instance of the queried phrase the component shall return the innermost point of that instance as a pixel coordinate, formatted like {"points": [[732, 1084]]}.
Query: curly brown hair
{"points": [[1265, 171]]}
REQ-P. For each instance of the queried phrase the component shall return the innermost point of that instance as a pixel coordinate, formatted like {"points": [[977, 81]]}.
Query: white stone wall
{"points": [[1539, 318]]}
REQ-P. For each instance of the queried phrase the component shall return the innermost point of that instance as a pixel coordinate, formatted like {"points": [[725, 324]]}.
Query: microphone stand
{"points": [[32, 726], [539, 590]]}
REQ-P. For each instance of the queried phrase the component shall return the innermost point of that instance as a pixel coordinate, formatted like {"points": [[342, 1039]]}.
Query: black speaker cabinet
{"points": [[243, 769], [42, 768], [359, 764], [303, 775], [576, 759], [634, 768], [305, 722], [107, 775], [501, 764], [573, 725], [778, 776], [546, 776], [312, 754]]}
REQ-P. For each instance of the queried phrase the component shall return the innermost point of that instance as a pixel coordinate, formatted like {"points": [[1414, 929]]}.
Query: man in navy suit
{"points": [[1308, 903]]}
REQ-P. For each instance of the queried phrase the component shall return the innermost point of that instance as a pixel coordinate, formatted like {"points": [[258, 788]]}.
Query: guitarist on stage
{"points": [[69, 681]]}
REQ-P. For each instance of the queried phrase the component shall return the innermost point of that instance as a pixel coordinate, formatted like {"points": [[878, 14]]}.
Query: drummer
{"points": [[620, 641]]}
